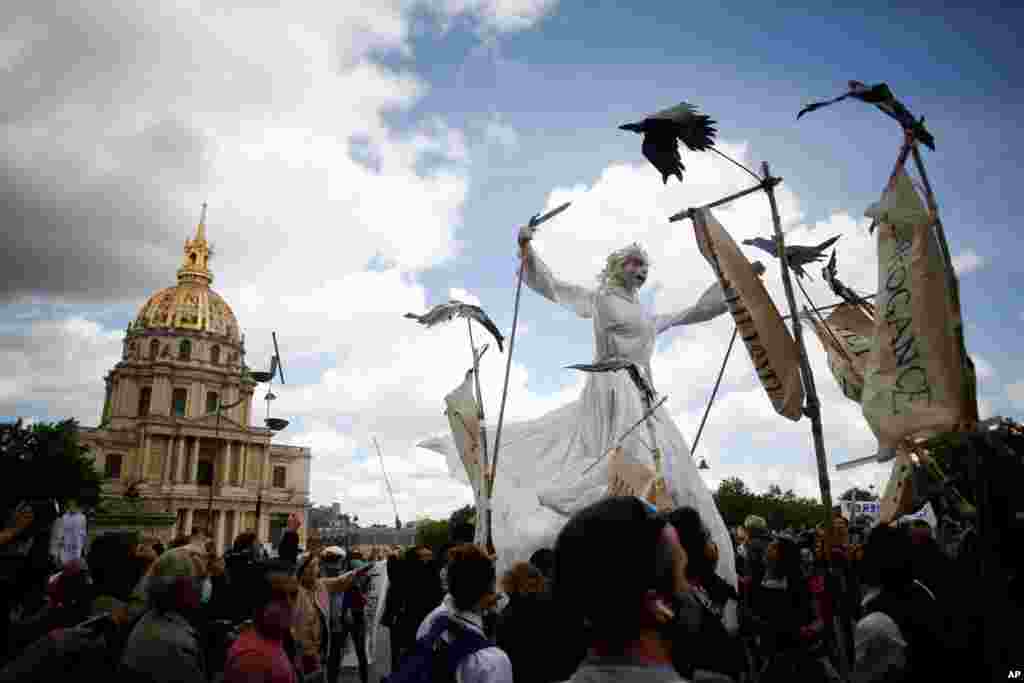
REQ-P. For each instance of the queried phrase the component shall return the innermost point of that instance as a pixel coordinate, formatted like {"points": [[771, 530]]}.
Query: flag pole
{"points": [[483, 500], [813, 406]]}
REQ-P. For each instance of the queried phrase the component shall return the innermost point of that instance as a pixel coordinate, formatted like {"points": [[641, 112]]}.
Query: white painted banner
{"points": [[378, 588]]}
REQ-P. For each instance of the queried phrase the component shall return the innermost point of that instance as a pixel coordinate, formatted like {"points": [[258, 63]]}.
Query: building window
{"points": [[215, 355], [212, 401], [154, 349], [179, 401], [145, 395], [204, 473], [112, 466], [185, 350], [279, 476]]}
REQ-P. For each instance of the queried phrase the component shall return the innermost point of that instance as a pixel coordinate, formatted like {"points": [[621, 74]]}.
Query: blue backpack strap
{"points": [[465, 642]]}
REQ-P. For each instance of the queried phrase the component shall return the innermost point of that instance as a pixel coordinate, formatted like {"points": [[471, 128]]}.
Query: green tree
{"points": [[47, 461], [432, 532], [857, 494]]}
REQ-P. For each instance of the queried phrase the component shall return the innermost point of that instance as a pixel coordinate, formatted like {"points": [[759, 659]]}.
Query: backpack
{"points": [[436, 660]]}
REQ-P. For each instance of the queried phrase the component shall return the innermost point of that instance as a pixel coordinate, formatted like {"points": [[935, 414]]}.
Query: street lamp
{"points": [[273, 424]]}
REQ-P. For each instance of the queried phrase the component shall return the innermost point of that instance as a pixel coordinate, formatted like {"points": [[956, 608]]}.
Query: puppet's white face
{"points": [[634, 272]]}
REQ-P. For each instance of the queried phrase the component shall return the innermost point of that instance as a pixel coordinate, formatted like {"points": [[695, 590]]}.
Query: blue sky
{"points": [[360, 162]]}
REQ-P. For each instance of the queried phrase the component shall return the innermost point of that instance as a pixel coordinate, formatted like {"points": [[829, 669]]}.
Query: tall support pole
{"points": [[483, 497], [813, 406], [523, 255]]}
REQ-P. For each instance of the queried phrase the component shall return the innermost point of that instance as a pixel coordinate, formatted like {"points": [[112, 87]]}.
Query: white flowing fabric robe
{"points": [[540, 479]]}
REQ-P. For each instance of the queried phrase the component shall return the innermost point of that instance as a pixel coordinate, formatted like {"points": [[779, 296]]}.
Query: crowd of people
{"points": [[626, 594]]}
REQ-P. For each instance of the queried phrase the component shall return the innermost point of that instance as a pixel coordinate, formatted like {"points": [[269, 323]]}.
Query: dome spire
{"points": [[201, 228], [195, 265]]}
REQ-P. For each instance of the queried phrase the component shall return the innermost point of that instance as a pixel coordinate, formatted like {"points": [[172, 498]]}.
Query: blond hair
{"points": [[613, 273]]}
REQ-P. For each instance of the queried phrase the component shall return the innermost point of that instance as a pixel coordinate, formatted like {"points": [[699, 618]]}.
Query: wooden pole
{"points": [[714, 391], [483, 500], [766, 184], [508, 367], [813, 406]]}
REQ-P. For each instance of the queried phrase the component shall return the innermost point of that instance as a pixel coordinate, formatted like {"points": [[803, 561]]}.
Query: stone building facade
{"points": [[183, 357]]}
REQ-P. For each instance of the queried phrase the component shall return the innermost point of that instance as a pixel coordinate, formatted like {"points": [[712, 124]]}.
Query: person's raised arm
{"points": [[538, 277], [711, 304]]}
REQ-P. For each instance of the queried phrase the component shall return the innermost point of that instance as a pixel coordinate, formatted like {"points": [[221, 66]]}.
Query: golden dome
{"points": [[191, 304]]}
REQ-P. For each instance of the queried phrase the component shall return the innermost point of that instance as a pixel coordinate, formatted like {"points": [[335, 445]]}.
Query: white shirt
{"points": [[490, 665]]}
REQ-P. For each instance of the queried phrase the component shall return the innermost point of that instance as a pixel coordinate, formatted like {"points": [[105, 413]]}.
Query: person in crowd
{"points": [[902, 632], [528, 627], [351, 620], [472, 590], [312, 630], [544, 560], [757, 536], [288, 548], [715, 647], [638, 611], [418, 595], [165, 645], [442, 564], [261, 651], [392, 607], [780, 606]]}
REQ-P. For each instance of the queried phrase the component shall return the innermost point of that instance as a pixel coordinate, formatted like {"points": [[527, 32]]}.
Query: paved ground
{"points": [[380, 666]]}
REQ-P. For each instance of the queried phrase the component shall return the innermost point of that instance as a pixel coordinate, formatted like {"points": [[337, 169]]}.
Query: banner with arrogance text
{"points": [[914, 378], [768, 341]]}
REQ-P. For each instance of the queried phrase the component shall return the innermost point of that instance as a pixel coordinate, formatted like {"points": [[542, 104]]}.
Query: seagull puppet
{"points": [[661, 130], [442, 313], [831, 276], [881, 96], [797, 255], [615, 364]]}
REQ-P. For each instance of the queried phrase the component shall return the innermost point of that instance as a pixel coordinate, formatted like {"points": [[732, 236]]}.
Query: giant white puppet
{"points": [[554, 465]]}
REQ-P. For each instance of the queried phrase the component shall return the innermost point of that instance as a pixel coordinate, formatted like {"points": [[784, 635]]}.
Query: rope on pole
{"points": [[714, 391]]}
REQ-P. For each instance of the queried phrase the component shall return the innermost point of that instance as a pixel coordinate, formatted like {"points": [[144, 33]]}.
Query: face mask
{"points": [[207, 591]]}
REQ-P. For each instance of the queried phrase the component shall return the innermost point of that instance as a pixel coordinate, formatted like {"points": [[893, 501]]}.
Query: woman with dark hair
{"points": [[261, 653], [902, 630], [527, 627], [714, 646], [471, 591], [781, 604]]}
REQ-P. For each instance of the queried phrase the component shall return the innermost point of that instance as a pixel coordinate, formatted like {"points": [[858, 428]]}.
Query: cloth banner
{"points": [[374, 610], [768, 341], [846, 336], [630, 478], [915, 375], [463, 417]]}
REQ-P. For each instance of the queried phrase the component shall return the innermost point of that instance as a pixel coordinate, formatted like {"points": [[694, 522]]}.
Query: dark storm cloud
{"points": [[74, 234], [94, 159]]}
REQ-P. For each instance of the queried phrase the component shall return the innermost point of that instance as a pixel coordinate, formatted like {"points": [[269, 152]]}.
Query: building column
{"points": [[218, 531], [225, 458], [194, 465], [165, 469], [188, 521], [244, 474], [179, 474], [144, 460]]}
